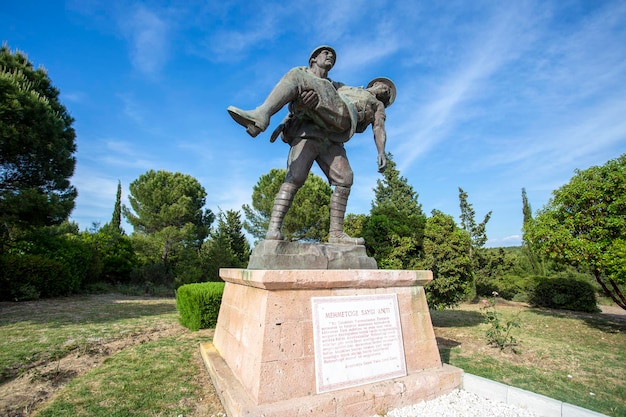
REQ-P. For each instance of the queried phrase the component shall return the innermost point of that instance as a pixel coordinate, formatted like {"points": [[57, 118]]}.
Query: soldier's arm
{"points": [[380, 135]]}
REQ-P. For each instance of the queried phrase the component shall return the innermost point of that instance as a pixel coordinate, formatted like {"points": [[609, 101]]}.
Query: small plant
{"points": [[498, 334]]}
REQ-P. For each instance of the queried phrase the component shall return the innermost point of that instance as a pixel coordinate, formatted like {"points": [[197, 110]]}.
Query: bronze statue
{"points": [[323, 114]]}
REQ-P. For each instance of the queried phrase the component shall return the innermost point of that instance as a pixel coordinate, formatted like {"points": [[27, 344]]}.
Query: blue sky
{"points": [[493, 96]]}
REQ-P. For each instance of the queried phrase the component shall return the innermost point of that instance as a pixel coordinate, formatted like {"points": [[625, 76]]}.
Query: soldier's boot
{"points": [[338, 203], [282, 202], [257, 120]]}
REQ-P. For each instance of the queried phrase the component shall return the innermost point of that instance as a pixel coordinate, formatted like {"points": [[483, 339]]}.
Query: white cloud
{"points": [[74, 97], [149, 36], [513, 240], [495, 44]]}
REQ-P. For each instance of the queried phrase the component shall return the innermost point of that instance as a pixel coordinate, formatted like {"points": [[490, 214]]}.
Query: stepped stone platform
{"points": [[263, 359]]}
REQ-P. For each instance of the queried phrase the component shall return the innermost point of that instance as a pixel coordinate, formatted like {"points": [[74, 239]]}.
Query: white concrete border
{"points": [[539, 404]]}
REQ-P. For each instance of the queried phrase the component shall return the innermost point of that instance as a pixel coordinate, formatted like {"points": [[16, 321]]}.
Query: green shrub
{"points": [[29, 277], [199, 304], [508, 286], [52, 260], [117, 255], [152, 274], [76, 257], [566, 294]]}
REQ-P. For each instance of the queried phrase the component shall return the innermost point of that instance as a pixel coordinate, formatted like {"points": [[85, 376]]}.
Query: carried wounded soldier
{"points": [[322, 116]]}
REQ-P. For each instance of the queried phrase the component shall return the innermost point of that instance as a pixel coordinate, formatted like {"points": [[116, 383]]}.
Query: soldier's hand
{"points": [[382, 162], [309, 99]]}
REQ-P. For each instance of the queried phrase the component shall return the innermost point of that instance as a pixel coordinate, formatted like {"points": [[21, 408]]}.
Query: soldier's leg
{"points": [[282, 202], [256, 121], [335, 165], [331, 112], [301, 156]]}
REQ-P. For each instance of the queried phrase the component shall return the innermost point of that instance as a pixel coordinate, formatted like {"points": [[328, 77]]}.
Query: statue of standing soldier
{"points": [[323, 114]]}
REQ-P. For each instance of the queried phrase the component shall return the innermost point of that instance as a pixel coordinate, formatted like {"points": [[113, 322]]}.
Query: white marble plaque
{"points": [[357, 340]]}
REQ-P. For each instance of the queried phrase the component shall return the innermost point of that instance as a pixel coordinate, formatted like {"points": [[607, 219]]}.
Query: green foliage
{"points": [[46, 262], [188, 267], [499, 333], [565, 293], [503, 270], [584, 221], [199, 304], [115, 254], [116, 218], [510, 286], [395, 228], [151, 275], [169, 204], [227, 246], [478, 236], [36, 149], [477, 231], [446, 255], [354, 224], [308, 217], [170, 225], [28, 277], [535, 265], [613, 261]]}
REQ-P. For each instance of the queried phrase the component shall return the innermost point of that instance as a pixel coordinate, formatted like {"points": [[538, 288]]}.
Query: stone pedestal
{"points": [[262, 359], [279, 254]]}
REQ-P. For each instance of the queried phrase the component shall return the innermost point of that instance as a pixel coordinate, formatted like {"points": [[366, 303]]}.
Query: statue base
{"points": [[263, 359], [279, 254]]}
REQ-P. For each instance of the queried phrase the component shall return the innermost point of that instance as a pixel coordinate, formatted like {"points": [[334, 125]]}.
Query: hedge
{"points": [[199, 304], [29, 277], [565, 293]]}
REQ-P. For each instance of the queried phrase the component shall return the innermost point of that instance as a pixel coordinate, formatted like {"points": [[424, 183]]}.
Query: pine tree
{"points": [[37, 147], [395, 228], [445, 254], [477, 232], [116, 219], [307, 218], [528, 246], [227, 246]]}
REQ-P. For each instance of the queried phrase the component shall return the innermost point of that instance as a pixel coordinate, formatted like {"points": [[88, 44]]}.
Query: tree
{"points": [[37, 146], [446, 249], [112, 248], [227, 246], [116, 219], [394, 231], [168, 208], [584, 225], [114, 255], [354, 224], [308, 217], [48, 261], [477, 232], [528, 245]]}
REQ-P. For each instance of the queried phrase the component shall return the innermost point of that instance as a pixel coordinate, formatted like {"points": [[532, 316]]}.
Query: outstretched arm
{"points": [[380, 135]]}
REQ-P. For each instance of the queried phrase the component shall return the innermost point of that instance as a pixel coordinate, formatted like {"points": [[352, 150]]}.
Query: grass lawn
{"points": [[113, 355], [578, 358], [105, 355]]}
